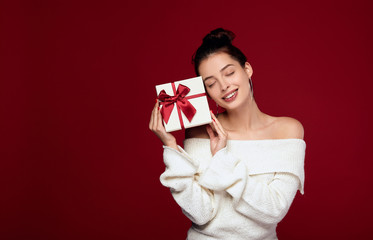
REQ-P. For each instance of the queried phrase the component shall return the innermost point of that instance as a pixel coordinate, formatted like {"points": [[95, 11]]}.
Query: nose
{"points": [[224, 85]]}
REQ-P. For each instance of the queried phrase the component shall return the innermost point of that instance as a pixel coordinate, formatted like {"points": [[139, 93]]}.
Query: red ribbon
{"points": [[182, 103]]}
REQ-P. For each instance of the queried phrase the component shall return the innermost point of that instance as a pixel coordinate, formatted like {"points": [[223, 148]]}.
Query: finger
{"points": [[160, 121], [158, 118], [211, 124], [214, 119], [210, 132], [215, 123], [218, 127], [212, 115], [220, 130]]}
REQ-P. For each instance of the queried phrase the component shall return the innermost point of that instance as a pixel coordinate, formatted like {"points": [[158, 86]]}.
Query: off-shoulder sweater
{"points": [[242, 192]]}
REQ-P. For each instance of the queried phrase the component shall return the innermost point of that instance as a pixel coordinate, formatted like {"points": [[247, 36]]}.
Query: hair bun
{"points": [[218, 40], [219, 36]]}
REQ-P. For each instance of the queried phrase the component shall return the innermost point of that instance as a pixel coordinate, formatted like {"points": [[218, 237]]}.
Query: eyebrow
{"points": [[228, 65]]}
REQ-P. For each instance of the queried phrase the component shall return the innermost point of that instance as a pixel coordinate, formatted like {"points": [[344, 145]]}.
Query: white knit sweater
{"points": [[240, 193]]}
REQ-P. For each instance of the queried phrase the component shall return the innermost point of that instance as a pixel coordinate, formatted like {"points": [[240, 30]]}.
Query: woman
{"points": [[237, 177]]}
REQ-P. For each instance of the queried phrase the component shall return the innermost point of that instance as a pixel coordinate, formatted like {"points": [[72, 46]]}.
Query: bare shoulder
{"points": [[287, 127], [196, 132]]}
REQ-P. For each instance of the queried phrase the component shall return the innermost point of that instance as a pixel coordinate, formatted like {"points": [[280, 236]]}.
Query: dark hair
{"points": [[218, 40]]}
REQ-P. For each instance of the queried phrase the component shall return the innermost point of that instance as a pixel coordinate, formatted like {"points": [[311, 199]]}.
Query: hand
{"points": [[156, 125], [218, 137]]}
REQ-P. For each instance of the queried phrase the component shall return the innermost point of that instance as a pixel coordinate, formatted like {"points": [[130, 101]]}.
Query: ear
{"points": [[248, 69]]}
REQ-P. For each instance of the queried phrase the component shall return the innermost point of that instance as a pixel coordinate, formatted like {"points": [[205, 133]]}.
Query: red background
{"points": [[77, 88]]}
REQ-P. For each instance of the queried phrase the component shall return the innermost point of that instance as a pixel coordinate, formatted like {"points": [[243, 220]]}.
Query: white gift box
{"points": [[196, 97]]}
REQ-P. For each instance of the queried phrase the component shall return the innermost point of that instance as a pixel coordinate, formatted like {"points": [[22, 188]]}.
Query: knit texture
{"points": [[242, 192]]}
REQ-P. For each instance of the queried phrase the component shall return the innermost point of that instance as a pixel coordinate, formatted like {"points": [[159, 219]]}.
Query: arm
{"points": [[181, 176], [156, 126], [265, 201], [255, 198]]}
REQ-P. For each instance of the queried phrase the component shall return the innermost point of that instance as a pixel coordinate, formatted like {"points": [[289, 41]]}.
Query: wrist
{"points": [[171, 144]]}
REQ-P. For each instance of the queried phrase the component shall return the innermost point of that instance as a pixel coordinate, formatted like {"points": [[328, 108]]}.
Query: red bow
{"points": [[181, 103]]}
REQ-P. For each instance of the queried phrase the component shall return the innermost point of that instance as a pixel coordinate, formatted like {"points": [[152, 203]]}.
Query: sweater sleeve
{"points": [[181, 176], [266, 202]]}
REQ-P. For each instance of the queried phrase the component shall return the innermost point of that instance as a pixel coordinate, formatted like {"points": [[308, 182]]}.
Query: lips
{"points": [[230, 96]]}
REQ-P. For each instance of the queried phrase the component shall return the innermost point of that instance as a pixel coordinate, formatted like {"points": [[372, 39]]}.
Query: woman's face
{"points": [[225, 80]]}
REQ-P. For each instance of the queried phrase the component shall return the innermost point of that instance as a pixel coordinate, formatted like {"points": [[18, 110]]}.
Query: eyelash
{"points": [[229, 74], [211, 84]]}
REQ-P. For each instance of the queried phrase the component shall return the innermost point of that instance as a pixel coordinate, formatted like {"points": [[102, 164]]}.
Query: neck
{"points": [[245, 118]]}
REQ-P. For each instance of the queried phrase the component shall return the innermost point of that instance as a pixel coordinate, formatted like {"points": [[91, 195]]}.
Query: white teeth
{"points": [[231, 95]]}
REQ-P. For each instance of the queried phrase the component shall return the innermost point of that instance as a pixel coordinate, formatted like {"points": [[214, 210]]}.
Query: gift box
{"points": [[183, 104]]}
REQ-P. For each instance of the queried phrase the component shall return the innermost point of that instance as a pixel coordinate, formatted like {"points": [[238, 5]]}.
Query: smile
{"points": [[230, 96]]}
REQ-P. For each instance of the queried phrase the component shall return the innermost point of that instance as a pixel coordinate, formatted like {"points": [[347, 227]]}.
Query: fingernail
{"points": [[213, 120], [156, 100]]}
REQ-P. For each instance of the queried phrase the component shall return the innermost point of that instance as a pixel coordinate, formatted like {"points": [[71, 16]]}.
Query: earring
{"points": [[252, 89], [217, 109]]}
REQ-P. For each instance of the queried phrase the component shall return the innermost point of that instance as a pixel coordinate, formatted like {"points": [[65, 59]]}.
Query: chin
{"points": [[230, 106], [236, 104]]}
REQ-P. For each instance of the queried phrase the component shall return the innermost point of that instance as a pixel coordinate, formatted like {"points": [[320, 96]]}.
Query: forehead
{"points": [[215, 62]]}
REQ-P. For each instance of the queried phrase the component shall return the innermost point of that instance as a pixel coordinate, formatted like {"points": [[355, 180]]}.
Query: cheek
{"points": [[243, 80], [212, 93]]}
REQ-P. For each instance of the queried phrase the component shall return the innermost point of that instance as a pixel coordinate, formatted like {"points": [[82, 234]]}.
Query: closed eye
{"points": [[230, 74], [211, 84]]}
